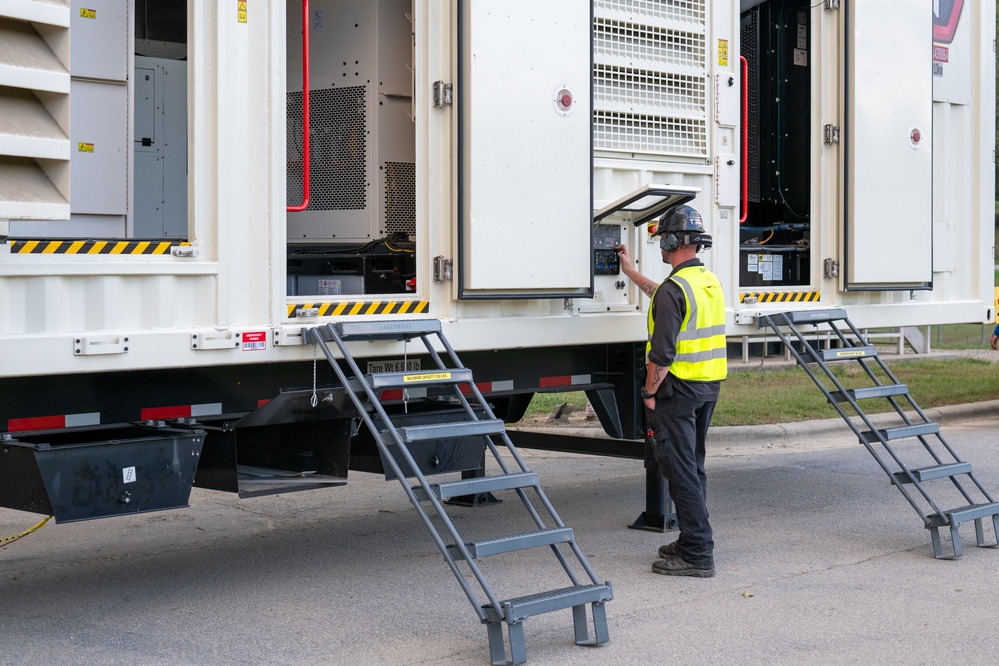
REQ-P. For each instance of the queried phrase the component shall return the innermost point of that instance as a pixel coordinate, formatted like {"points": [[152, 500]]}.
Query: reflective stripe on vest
{"points": [[700, 346]]}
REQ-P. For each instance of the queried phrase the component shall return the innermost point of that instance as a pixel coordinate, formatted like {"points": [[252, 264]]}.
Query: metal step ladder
{"points": [[913, 469], [455, 383]]}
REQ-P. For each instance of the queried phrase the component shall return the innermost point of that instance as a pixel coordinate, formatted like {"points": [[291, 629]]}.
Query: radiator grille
{"points": [[338, 134], [400, 197], [677, 10], [750, 51], [650, 77]]}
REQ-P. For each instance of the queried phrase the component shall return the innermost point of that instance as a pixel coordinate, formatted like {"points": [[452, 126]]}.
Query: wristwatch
{"points": [[645, 393]]}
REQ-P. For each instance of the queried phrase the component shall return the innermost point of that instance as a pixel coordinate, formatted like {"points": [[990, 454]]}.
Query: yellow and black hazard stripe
{"points": [[353, 308], [780, 297], [91, 247]]}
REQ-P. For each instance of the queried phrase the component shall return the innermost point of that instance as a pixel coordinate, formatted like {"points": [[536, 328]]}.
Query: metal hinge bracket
{"points": [[832, 4], [442, 94], [442, 269], [830, 268], [830, 134]]}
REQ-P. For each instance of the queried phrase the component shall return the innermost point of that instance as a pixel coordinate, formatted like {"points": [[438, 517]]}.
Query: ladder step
{"points": [[801, 317], [520, 608], [935, 472], [847, 353], [391, 380], [964, 514], [386, 330], [899, 433], [435, 431], [482, 484], [871, 392], [509, 544]]}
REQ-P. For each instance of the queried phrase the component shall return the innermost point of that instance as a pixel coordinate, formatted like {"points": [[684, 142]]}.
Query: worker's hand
{"points": [[622, 254], [650, 403]]}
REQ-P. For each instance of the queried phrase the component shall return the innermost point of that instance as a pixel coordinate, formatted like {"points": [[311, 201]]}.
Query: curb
{"points": [[823, 428]]}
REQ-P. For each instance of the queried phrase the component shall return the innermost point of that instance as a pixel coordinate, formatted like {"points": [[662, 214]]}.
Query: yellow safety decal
{"points": [[85, 147], [426, 377], [849, 354], [90, 247], [353, 308], [781, 297], [241, 11], [88, 13], [723, 53]]}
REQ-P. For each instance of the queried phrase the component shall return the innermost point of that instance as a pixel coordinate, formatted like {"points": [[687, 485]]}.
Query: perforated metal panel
{"points": [[680, 10], [649, 76], [400, 197], [750, 43], [338, 136]]}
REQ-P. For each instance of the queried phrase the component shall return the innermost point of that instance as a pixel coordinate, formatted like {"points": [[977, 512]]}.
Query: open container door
{"points": [[889, 147], [525, 143]]}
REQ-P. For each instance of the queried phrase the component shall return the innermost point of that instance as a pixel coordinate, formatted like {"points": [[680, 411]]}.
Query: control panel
{"points": [[605, 259]]}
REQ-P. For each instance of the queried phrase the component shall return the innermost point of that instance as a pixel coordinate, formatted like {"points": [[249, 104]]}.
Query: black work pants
{"points": [[681, 426]]}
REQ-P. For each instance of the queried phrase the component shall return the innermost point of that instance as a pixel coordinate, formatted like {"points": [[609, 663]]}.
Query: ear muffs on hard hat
{"points": [[681, 225]]}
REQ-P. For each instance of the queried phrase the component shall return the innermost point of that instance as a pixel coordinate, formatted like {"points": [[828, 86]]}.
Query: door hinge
{"points": [[442, 94], [442, 269], [830, 268], [830, 134], [832, 4]]}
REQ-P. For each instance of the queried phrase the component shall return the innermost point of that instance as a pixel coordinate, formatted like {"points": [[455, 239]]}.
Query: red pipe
{"points": [[305, 111], [744, 200]]}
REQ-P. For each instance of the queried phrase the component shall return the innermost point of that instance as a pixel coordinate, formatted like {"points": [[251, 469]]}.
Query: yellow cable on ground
{"points": [[8, 540]]}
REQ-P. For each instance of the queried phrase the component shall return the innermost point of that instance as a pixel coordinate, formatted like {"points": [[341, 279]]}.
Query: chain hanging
{"points": [[405, 368], [315, 398]]}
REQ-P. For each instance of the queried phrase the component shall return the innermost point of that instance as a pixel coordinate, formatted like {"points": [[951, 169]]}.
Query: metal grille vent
{"points": [[338, 136], [649, 134], [626, 85], [649, 43], [678, 10], [750, 41], [400, 197]]}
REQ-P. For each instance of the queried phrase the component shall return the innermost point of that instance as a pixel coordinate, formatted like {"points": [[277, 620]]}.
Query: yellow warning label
{"points": [[996, 303], [241, 11], [723, 52], [426, 377], [848, 354], [88, 13], [85, 147]]}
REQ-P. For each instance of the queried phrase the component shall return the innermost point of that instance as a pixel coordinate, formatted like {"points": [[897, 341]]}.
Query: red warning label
{"points": [[254, 340]]}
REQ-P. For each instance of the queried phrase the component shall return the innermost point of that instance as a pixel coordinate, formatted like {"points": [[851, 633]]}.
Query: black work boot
{"points": [[670, 549], [677, 566]]}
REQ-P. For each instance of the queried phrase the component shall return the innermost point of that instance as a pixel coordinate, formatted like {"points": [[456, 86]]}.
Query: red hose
{"points": [[305, 111]]}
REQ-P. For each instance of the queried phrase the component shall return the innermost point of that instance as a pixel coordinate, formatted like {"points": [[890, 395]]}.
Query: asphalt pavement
{"points": [[819, 561]]}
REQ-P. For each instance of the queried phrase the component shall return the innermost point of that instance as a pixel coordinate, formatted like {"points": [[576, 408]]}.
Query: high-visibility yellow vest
{"points": [[700, 348]]}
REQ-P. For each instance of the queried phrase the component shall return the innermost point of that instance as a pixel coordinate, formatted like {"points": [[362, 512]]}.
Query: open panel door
{"points": [[889, 145], [525, 197]]}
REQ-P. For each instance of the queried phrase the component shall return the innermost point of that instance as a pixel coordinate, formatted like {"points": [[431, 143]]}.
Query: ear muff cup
{"points": [[669, 242]]}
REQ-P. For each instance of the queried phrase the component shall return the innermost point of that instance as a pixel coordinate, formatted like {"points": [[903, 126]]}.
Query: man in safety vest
{"points": [[685, 365]]}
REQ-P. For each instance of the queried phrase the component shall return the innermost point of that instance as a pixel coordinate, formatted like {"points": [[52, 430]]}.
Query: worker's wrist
{"points": [[644, 392]]}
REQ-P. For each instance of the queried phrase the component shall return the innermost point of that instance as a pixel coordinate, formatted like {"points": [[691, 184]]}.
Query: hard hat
{"points": [[682, 225]]}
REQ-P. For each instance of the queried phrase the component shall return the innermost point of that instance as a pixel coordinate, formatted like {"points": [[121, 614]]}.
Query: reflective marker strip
{"points": [[53, 422], [565, 380], [180, 411], [353, 308], [781, 297], [91, 247]]}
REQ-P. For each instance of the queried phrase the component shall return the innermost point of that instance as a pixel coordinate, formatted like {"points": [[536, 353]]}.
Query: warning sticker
{"points": [[241, 11], [723, 52], [88, 13], [128, 475], [85, 147], [254, 340], [426, 377]]}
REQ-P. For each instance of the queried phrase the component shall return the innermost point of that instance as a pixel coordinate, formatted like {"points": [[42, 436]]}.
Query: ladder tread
{"points": [[916, 430], [800, 317], [386, 330], [964, 514], [482, 484], [865, 393], [844, 353], [415, 379], [434, 431], [514, 542], [944, 471], [520, 608]]}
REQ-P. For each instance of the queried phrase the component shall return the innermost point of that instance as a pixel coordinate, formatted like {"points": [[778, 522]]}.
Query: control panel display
{"points": [[605, 259]]}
